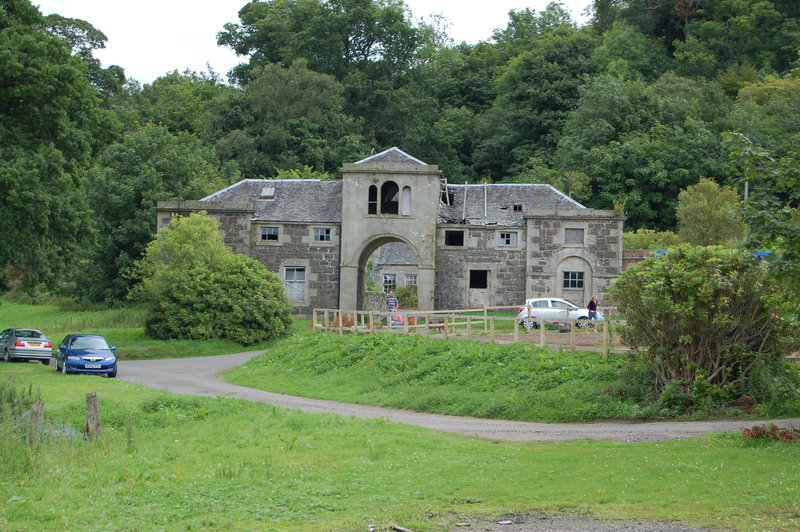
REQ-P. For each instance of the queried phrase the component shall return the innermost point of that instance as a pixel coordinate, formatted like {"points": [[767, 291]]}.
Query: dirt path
{"points": [[198, 376]]}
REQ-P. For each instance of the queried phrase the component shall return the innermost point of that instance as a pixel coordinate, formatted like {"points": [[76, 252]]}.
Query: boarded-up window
{"points": [[573, 237]]}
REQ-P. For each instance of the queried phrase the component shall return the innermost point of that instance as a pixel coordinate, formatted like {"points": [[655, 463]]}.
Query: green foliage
{"points": [[123, 188], [702, 320], [200, 289], [50, 127], [772, 210], [305, 173], [407, 297], [649, 239], [707, 215]]}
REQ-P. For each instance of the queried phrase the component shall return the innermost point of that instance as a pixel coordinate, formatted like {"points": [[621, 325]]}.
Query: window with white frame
{"points": [[573, 237], [294, 281], [322, 234], [508, 239], [411, 279], [573, 280], [269, 234], [389, 282]]}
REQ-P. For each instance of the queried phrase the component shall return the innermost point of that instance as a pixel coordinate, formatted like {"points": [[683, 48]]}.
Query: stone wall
{"points": [[481, 251], [296, 248]]}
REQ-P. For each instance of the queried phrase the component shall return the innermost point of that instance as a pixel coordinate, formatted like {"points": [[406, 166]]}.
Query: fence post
{"points": [[485, 316], [516, 330], [92, 416], [446, 328], [341, 322], [606, 334], [314, 320], [491, 329], [37, 413], [542, 325], [325, 320], [371, 323], [572, 336], [469, 326]]}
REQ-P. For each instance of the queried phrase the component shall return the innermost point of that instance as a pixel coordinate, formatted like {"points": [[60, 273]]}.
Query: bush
{"points": [[649, 239], [407, 297], [200, 289], [703, 321]]}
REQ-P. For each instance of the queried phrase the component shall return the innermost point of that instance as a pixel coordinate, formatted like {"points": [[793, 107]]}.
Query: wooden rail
{"points": [[464, 323]]}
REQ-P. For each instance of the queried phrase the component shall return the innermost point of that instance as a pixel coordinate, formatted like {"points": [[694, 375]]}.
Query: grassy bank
{"points": [[167, 462]]}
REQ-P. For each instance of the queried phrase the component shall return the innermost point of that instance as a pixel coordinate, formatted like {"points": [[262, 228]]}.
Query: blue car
{"points": [[86, 353]]}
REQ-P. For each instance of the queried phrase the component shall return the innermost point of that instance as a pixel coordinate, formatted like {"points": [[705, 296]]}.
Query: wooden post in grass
{"points": [[371, 323], [572, 336], [341, 322], [37, 415], [485, 316], [469, 327], [606, 334], [92, 417], [491, 331], [516, 330], [325, 320], [314, 320], [542, 324], [446, 328]]}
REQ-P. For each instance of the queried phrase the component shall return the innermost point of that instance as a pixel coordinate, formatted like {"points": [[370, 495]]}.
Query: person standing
{"points": [[592, 306], [391, 301]]}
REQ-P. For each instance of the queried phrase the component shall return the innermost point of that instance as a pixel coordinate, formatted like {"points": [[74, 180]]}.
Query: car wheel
{"points": [[583, 322], [529, 324], [64, 367], [113, 372], [45, 362], [7, 356], [56, 364]]}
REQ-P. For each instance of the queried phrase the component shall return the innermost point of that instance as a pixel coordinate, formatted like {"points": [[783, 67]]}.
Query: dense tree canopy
{"points": [[626, 111]]}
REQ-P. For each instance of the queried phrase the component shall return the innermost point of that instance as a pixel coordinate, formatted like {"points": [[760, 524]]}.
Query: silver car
{"points": [[553, 310], [25, 344]]}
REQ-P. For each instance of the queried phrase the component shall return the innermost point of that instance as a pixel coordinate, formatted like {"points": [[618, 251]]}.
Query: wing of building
{"points": [[465, 246]]}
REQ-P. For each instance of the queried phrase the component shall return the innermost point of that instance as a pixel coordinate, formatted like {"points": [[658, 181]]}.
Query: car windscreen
{"points": [[25, 333], [89, 342]]}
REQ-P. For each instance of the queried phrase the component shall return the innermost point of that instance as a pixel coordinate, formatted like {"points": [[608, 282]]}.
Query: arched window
{"points": [[406, 203], [390, 193], [372, 201]]}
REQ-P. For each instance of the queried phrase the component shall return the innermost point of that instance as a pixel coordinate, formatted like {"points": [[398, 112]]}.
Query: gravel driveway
{"points": [[198, 376]]}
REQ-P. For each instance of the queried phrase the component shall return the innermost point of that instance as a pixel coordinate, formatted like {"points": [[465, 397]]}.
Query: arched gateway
{"points": [[494, 244]]}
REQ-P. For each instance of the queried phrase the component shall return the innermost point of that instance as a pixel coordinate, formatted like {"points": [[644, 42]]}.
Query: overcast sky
{"points": [[150, 38]]}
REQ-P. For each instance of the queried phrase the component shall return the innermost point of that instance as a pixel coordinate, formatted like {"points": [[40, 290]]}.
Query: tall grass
{"points": [[171, 462]]}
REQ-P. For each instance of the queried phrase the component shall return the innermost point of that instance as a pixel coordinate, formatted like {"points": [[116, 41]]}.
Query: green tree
{"points": [[123, 188], [771, 209], [702, 321], [649, 239], [198, 288], [51, 125], [707, 215]]}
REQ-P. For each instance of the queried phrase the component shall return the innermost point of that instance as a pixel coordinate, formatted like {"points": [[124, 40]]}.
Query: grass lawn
{"points": [[168, 462]]}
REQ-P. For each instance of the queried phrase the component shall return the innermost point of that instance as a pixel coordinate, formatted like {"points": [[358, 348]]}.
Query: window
{"points": [[517, 207], [454, 238], [295, 284], [508, 239], [322, 234], [479, 279], [390, 198], [268, 193], [411, 279], [573, 279], [372, 200], [573, 237], [389, 282], [270, 234], [406, 201]]}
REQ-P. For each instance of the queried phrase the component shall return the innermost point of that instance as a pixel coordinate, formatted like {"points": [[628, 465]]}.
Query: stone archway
{"points": [[369, 248]]}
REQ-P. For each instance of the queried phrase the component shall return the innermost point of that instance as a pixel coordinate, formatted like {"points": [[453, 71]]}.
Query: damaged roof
{"points": [[287, 200], [396, 253], [500, 203]]}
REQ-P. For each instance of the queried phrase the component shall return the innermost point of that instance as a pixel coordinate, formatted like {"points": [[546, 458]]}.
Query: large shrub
{"points": [[704, 320], [200, 289]]}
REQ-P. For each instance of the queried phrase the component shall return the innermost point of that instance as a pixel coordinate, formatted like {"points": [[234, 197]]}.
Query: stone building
{"points": [[493, 244]]}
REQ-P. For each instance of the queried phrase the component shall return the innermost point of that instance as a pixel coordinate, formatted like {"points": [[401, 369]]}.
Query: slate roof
{"points": [[396, 253], [294, 200], [500, 199], [392, 155]]}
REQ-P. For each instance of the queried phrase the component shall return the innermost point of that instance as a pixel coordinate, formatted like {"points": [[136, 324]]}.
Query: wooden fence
{"points": [[468, 323]]}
